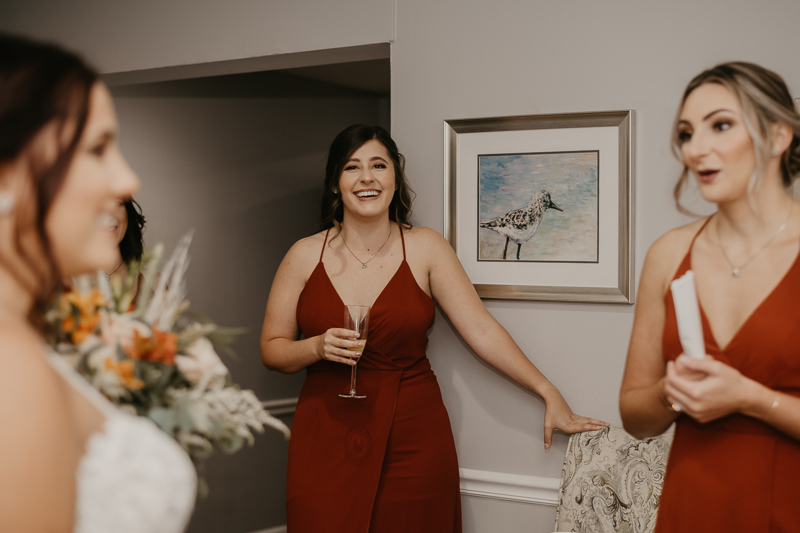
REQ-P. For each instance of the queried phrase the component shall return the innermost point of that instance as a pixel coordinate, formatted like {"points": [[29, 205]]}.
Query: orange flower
{"points": [[166, 347], [160, 347], [82, 314], [124, 369]]}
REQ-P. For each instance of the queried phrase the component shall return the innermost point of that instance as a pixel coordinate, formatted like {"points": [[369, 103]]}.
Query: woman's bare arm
{"points": [[280, 348], [643, 406], [455, 294]]}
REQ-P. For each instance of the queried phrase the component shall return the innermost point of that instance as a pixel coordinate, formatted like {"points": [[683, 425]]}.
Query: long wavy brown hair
{"points": [[41, 86], [342, 149]]}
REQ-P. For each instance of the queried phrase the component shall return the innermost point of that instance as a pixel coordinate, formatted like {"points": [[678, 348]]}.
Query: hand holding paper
{"points": [[687, 311]]}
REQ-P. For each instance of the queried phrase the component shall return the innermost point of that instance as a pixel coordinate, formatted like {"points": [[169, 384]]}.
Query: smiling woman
{"points": [[735, 456], [79, 222], [127, 226], [385, 460]]}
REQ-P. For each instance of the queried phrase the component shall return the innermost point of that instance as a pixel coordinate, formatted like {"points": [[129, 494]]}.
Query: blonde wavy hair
{"points": [[765, 100]]}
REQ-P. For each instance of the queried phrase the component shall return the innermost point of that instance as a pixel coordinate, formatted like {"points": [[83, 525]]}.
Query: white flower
{"points": [[103, 376], [201, 362], [120, 330]]}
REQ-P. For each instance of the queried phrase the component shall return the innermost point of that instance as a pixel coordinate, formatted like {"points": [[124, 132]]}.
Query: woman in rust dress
{"points": [[386, 462], [735, 458]]}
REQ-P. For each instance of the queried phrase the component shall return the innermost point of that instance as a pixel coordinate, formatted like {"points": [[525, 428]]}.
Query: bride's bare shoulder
{"points": [[23, 368], [19, 344], [31, 395], [38, 450]]}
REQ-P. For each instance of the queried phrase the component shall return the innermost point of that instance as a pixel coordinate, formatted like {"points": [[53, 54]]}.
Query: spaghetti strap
{"points": [[322, 252], [686, 264], [691, 245], [403, 240]]}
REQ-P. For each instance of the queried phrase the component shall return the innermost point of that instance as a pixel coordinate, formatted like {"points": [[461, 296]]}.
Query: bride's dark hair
{"points": [[342, 149], [42, 87]]}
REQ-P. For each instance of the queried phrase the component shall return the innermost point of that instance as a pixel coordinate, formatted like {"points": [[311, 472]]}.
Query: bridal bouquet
{"points": [[150, 356]]}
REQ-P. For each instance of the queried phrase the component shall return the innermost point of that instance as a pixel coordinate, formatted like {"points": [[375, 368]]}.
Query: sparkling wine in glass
{"points": [[356, 318]]}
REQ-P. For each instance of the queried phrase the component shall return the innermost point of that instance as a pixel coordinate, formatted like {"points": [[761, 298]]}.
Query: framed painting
{"points": [[540, 207]]}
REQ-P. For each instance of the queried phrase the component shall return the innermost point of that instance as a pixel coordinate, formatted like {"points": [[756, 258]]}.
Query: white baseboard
{"points": [[510, 487], [277, 529], [280, 407], [497, 486]]}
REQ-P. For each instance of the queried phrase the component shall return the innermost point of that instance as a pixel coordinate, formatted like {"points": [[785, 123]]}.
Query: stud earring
{"points": [[335, 190], [6, 203]]}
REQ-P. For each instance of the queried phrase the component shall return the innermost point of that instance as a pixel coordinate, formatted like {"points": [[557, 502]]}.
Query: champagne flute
{"points": [[356, 317]]}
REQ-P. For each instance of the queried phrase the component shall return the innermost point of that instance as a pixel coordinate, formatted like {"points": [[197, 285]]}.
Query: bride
{"points": [[68, 460]]}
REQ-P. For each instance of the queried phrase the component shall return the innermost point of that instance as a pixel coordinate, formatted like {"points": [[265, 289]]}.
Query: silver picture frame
{"points": [[610, 279]]}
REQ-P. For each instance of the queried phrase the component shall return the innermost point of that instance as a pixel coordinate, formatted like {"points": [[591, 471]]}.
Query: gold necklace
{"points": [[364, 263], [108, 276], [737, 271]]}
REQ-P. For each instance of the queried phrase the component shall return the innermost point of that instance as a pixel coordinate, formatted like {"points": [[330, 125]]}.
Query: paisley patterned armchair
{"points": [[611, 482]]}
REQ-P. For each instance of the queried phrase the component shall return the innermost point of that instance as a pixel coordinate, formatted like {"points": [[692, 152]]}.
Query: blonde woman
{"points": [[735, 457]]}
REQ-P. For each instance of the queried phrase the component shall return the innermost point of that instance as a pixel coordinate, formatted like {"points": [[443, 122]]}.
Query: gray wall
{"points": [[456, 59], [149, 34], [453, 59]]}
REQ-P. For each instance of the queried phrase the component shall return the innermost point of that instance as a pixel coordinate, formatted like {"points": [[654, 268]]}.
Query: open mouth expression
{"points": [[366, 178], [715, 143], [367, 194]]}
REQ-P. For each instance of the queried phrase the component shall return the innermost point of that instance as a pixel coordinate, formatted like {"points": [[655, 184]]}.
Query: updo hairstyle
{"points": [[765, 100]]}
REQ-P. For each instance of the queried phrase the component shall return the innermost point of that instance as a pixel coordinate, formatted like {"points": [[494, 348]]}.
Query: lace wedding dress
{"points": [[133, 477]]}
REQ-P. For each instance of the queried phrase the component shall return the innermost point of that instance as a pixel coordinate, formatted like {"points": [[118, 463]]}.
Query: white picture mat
{"points": [[604, 273]]}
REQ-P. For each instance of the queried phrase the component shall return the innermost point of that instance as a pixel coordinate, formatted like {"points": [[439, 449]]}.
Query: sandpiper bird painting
{"points": [[520, 225]]}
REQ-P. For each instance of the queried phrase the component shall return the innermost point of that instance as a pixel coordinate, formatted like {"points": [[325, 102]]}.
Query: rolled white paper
{"points": [[687, 311]]}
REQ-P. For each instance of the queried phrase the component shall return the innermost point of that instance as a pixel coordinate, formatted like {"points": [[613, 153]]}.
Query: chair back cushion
{"points": [[611, 482]]}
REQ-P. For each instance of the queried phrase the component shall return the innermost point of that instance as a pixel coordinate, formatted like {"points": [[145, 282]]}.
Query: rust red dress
{"points": [[736, 473], [385, 463]]}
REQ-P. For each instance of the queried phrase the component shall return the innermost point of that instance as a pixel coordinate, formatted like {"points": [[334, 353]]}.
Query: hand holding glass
{"points": [[356, 318]]}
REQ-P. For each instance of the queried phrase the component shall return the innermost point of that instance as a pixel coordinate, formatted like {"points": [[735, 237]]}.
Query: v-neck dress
{"points": [[737, 473], [385, 463]]}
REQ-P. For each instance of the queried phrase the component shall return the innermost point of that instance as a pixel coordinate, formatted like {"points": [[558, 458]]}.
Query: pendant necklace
{"points": [[364, 263], [737, 271], [108, 276]]}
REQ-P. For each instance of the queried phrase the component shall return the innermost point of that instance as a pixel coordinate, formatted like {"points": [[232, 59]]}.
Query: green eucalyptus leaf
{"points": [[165, 418]]}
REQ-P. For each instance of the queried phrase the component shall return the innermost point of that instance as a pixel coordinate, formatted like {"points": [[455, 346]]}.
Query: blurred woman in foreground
{"points": [[68, 460]]}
